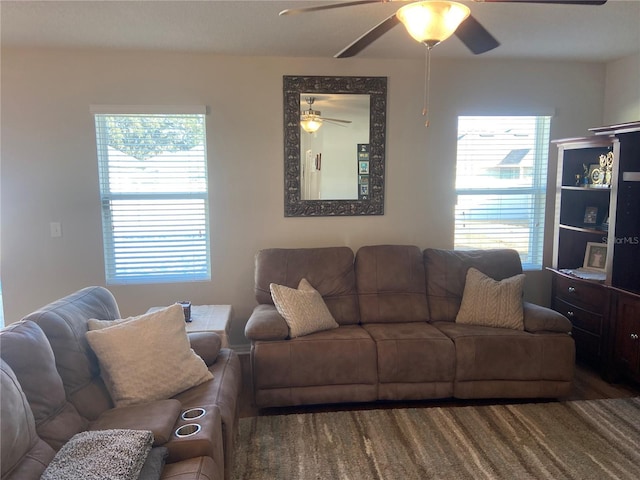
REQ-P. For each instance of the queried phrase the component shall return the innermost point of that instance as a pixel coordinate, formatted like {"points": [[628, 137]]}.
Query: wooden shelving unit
{"points": [[603, 312]]}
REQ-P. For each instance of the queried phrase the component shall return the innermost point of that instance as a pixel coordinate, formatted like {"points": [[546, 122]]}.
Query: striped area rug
{"points": [[591, 439]]}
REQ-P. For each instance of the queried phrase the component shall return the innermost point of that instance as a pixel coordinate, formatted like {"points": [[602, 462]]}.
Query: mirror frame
{"points": [[376, 88]]}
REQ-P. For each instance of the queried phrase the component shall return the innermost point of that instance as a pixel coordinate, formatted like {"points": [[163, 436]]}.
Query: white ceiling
{"points": [[588, 33]]}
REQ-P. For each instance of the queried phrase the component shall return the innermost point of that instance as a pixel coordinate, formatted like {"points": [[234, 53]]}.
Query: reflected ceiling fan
{"points": [[311, 120], [430, 22]]}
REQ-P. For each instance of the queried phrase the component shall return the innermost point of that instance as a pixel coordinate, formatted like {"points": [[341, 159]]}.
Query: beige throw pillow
{"points": [[303, 309], [147, 358], [488, 302]]}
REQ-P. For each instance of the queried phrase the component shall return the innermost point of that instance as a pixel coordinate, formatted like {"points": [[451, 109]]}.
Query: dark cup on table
{"points": [[186, 308]]}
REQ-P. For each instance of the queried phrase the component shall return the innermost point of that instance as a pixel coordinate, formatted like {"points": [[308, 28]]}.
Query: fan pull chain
{"points": [[427, 82]]}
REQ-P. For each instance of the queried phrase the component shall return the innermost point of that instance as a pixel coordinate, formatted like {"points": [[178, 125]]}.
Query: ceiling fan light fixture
{"points": [[310, 122], [432, 21]]}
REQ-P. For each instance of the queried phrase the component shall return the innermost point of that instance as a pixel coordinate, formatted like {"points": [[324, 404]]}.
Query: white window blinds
{"points": [[153, 187], [501, 177]]}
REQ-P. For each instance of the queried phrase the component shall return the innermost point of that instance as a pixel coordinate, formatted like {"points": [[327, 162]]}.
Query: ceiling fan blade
{"points": [[368, 37], [475, 36], [557, 2], [331, 122], [335, 120], [294, 11]]}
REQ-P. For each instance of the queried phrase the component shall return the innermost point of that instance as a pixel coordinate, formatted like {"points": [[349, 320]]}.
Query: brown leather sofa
{"points": [[52, 389], [397, 337]]}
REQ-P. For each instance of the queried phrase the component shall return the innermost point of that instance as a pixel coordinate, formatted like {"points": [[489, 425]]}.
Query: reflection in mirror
{"points": [[338, 168], [329, 155]]}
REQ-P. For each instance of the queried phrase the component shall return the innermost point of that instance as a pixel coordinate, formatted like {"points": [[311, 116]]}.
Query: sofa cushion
{"points": [[446, 272], [342, 356], [391, 284], [488, 353], [23, 455], [25, 348], [415, 360], [488, 302], [329, 270], [303, 309], [64, 322], [148, 358]]}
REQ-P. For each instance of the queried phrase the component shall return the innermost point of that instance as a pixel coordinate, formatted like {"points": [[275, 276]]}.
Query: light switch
{"points": [[56, 229]]}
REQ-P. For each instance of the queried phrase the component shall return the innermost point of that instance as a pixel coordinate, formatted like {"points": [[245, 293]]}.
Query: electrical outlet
{"points": [[56, 229]]}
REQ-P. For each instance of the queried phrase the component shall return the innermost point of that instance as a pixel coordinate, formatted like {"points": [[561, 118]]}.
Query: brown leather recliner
{"points": [[61, 380]]}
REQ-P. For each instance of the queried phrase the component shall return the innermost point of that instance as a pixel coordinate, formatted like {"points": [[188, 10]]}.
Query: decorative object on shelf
{"points": [[595, 257], [606, 167], [605, 223], [596, 175], [584, 274], [585, 174], [590, 215]]}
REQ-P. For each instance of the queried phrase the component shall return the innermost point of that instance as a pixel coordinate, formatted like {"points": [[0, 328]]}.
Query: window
{"points": [[501, 178], [153, 189]]}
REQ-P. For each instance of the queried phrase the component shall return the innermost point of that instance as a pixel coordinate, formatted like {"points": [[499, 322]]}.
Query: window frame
{"points": [[108, 196], [537, 190]]}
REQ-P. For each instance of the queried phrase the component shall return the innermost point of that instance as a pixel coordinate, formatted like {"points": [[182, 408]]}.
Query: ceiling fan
{"points": [[311, 120], [468, 30]]}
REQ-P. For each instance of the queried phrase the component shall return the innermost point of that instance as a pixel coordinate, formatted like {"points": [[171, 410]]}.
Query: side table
{"points": [[208, 318]]}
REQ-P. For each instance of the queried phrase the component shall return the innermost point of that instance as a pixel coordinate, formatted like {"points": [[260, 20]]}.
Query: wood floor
{"points": [[587, 385]]}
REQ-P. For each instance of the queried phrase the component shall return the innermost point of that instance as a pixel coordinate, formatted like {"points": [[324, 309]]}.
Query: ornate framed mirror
{"points": [[335, 164]]}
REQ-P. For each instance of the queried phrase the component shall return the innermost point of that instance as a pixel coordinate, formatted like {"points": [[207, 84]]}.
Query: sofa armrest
{"points": [[206, 345], [265, 323], [158, 416], [543, 319]]}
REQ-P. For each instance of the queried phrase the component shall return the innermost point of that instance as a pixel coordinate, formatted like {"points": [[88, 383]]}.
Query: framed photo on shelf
{"points": [[595, 257], [590, 215]]}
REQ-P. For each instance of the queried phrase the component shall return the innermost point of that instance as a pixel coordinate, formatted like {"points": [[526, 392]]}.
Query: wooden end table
{"points": [[208, 318]]}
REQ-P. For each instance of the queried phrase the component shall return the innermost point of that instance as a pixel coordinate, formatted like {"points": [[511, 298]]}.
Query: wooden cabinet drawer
{"points": [[584, 319], [587, 345], [590, 296]]}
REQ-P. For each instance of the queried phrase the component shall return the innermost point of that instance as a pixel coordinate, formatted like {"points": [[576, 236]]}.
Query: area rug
{"points": [[590, 439]]}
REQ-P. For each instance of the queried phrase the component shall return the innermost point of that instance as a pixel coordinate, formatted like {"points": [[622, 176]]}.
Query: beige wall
{"points": [[49, 170], [622, 91]]}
